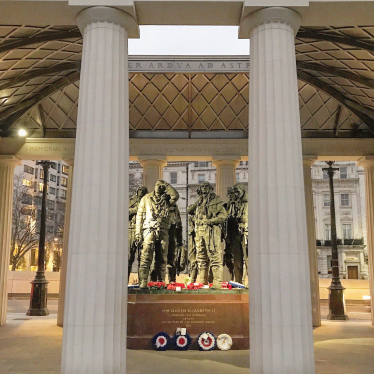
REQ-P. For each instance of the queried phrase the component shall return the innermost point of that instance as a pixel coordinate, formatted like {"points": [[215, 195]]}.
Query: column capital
{"points": [[69, 162], [226, 160], [366, 161], [152, 160], [309, 160], [271, 14], [10, 160], [98, 14]]}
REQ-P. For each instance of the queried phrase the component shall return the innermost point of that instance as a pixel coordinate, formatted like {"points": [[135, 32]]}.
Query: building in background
{"points": [[28, 188], [349, 195]]}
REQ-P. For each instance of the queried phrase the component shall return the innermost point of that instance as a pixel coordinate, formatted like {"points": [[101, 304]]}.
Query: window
{"points": [[54, 165], [63, 194], [58, 168], [50, 204], [27, 183], [52, 191], [52, 178], [344, 199], [50, 216], [237, 177], [28, 169], [173, 178], [343, 172], [40, 187], [202, 164], [64, 181], [26, 199], [325, 174], [41, 174], [327, 231], [201, 178], [57, 192], [326, 199], [347, 231], [329, 264], [36, 172], [65, 169]]}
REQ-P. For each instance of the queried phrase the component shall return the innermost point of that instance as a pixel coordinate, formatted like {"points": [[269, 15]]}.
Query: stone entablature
{"points": [[185, 149]]}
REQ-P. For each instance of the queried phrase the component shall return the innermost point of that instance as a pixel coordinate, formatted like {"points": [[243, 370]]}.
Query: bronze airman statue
{"points": [[133, 208], [152, 227], [237, 230], [210, 214]]}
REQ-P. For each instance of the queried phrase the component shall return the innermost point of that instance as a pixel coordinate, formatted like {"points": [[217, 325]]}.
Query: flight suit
{"points": [[153, 222], [208, 236], [238, 231]]}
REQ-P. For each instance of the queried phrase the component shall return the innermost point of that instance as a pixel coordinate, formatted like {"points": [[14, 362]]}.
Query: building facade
{"points": [[349, 196]]}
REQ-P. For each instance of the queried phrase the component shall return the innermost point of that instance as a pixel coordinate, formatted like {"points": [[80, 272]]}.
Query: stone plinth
{"points": [[219, 312]]}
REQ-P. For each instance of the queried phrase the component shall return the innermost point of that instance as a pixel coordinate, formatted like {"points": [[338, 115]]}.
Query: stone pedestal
{"points": [[218, 313], [281, 336], [368, 164], [65, 247], [7, 164], [152, 171], [313, 261], [95, 320]]}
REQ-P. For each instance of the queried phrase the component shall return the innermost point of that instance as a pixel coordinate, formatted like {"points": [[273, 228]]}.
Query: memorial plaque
{"points": [[218, 313]]}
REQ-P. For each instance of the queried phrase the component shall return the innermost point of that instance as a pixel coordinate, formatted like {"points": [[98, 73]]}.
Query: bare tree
{"points": [[25, 235], [135, 181]]}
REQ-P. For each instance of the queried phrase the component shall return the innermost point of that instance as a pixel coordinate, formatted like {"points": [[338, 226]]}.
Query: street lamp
{"points": [[38, 298], [336, 297]]}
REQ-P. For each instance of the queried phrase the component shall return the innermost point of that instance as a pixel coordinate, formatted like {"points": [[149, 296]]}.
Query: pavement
{"points": [[32, 345]]}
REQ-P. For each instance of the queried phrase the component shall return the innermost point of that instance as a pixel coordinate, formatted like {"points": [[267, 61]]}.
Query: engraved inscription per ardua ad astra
{"points": [[189, 66]]}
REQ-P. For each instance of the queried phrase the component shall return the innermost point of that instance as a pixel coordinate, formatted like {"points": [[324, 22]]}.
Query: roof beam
{"points": [[40, 39], [14, 113], [366, 115], [335, 39], [59, 68], [301, 65]]}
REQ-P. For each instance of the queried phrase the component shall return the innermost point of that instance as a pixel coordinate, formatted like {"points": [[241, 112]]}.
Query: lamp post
{"points": [[38, 298], [336, 297]]}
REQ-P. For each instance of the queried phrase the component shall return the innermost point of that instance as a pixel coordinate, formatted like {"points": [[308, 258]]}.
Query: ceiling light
{"points": [[22, 132]]}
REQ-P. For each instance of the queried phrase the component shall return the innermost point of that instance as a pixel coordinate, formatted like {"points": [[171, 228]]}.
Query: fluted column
{"points": [[281, 336], [368, 164], [311, 229], [7, 164], [153, 170], [65, 246], [94, 339], [225, 174]]}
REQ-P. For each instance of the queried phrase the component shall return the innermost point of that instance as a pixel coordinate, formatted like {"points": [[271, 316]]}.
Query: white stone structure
{"points": [[95, 319]]}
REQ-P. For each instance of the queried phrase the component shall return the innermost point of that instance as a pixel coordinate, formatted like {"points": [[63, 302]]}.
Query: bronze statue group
{"points": [[155, 235]]}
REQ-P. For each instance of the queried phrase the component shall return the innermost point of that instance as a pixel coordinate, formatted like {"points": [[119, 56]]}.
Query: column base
{"points": [[38, 298], [337, 303]]}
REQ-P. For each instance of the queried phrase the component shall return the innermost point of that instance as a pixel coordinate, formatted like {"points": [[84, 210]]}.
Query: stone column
{"points": [[313, 262], [281, 336], [153, 169], [95, 320], [65, 247], [225, 175], [7, 164], [368, 164]]}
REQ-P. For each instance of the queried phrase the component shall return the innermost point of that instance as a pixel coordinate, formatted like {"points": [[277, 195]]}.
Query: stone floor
{"points": [[32, 345]]}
